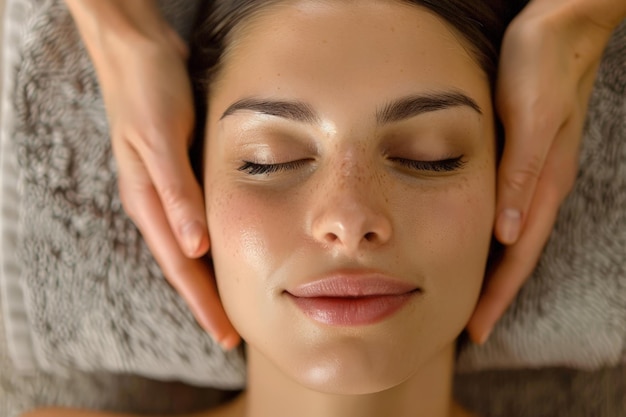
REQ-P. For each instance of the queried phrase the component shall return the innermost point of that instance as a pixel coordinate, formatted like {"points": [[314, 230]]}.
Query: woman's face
{"points": [[349, 175]]}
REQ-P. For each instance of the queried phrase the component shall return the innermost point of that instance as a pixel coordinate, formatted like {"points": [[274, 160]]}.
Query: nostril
{"points": [[331, 238], [370, 236]]}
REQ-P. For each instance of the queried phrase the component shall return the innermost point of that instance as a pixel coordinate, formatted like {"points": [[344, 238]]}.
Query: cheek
{"points": [[458, 230], [250, 226], [251, 234], [465, 218], [236, 224]]}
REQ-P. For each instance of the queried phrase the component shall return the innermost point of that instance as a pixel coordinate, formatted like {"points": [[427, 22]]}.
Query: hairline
{"points": [[237, 33]]}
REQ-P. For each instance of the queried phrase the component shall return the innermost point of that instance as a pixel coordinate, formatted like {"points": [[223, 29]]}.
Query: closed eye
{"points": [[444, 165], [253, 168]]}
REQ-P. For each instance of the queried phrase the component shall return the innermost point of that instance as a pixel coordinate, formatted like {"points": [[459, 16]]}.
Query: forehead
{"points": [[347, 49]]}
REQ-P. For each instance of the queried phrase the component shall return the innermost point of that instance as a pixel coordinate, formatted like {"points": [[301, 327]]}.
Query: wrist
{"points": [[111, 26]]}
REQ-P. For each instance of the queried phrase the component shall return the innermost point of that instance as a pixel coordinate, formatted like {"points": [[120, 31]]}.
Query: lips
{"points": [[352, 299]]}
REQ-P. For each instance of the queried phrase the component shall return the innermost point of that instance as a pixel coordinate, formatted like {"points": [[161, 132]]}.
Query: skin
{"points": [[351, 205]]}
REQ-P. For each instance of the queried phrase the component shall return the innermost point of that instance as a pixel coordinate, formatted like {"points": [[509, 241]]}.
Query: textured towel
{"points": [[96, 300]]}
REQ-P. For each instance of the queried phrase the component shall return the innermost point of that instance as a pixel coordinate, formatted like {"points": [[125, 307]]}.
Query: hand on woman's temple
{"points": [[548, 64], [141, 65]]}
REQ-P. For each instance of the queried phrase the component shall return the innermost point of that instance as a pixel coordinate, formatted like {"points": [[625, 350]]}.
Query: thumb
{"points": [[181, 198], [169, 170]]}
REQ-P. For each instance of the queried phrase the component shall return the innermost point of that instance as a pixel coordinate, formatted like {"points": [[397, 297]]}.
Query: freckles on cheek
{"points": [[462, 219], [234, 226], [244, 230]]}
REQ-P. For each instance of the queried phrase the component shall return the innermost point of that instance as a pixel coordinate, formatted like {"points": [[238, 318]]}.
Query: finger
{"points": [[179, 193], [191, 278], [517, 264], [530, 134]]}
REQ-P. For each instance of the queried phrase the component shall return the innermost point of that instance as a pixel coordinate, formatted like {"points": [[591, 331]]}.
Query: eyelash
{"points": [[253, 168], [444, 165]]}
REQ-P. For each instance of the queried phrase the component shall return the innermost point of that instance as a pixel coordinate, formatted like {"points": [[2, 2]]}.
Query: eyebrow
{"points": [[397, 110], [292, 110], [411, 106]]}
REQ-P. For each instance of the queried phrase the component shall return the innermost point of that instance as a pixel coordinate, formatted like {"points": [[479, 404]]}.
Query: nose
{"points": [[351, 217]]}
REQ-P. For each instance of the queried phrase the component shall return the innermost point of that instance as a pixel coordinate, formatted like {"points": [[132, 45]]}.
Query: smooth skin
{"points": [[550, 55], [339, 178]]}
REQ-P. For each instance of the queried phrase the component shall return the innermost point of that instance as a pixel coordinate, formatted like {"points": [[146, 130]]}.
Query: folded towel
{"points": [[96, 300]]}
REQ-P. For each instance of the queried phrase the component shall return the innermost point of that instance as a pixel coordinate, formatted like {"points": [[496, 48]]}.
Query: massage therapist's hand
{"points": [[141, 66], [550, 55]]}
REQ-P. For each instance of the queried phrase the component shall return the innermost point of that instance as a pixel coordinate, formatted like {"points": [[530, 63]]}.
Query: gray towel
{"points": [[96, 300]]}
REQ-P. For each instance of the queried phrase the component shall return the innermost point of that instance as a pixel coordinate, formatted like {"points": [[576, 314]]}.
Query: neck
{"points": [[428, 393]]}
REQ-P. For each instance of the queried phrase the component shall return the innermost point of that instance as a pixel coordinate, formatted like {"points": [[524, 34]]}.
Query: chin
{"points": [[330, 380], [354, 369]]}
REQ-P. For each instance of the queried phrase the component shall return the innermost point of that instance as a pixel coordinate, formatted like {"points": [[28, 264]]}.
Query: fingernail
{"points": [[230, 342], [192, 236], [509, 225]]}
